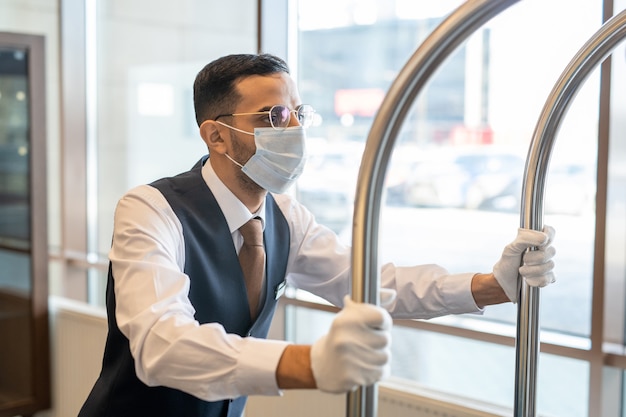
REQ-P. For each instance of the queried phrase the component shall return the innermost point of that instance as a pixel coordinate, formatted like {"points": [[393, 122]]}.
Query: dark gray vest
{"points": [[217, 292]]}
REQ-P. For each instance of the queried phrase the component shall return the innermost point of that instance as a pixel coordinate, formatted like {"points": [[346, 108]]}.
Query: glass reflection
{"points": [[453, 185], [14, 147], [15, 259], [454, 181]]}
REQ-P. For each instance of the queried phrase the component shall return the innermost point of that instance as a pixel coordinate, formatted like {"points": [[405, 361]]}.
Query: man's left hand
{"points": [[537, 267]]}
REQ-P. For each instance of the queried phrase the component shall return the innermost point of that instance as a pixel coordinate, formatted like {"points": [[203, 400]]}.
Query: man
{"points": [[187, 325]]}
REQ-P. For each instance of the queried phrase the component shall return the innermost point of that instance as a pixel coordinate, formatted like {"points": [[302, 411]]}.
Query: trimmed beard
{"points": [[241, 153]]}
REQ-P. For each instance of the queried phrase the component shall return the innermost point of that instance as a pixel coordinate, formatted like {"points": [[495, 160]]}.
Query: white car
{"points": [[483, 177]]}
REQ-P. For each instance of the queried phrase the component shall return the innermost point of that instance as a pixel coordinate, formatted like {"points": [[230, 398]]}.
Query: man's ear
{"points": [[210, 132]]}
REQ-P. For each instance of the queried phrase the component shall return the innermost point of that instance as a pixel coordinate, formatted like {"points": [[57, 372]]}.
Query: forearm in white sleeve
{"points": [[154, 312], [427, 291], [319, 263]]}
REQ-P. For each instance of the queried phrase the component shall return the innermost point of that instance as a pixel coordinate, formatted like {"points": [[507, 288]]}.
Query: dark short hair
{"points": [[214, 88]]}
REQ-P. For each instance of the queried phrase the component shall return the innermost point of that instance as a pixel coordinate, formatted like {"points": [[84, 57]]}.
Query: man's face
{"points": [[258, 94]]}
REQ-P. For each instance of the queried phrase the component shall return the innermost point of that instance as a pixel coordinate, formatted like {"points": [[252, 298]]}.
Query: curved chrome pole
{"points": [[457, 27], [598, 47]]}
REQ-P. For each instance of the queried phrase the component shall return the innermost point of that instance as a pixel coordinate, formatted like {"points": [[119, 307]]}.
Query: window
{"points": [[453, 185], [452, 178], [25, 378], [141, 121]]}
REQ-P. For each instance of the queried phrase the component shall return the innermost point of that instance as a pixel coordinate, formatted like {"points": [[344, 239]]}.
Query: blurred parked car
{"points": [[484, 177], [403, 161], [328, 185], [570, 188]]}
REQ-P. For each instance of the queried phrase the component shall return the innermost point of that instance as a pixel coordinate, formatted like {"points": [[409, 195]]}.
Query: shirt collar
{"points": [[235, 212]]}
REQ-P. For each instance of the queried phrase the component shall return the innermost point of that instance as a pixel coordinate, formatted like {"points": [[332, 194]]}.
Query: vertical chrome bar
{"points": [[526, 349], [457, 27], [598, 47]]}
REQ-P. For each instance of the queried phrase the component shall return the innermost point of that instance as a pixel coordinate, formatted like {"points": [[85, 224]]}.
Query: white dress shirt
{"points": [[153, 309]]}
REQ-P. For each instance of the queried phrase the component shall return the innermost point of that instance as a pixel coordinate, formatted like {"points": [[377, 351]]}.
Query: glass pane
{"points": [[486, 372], [454, 181], [316, 324], [613, 392], [147, 60], [14, 147], [453, 185], [465, 367], [15, 274], [615, 261], [15, 357]]}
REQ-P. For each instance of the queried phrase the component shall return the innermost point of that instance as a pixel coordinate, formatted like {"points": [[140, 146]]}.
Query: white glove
{"points": [[356, 350], [537, 267]]}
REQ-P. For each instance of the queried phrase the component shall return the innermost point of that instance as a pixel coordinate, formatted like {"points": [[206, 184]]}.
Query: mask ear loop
{"points": [[238, 130], [252, 134], [233, 161], [234, 128]]}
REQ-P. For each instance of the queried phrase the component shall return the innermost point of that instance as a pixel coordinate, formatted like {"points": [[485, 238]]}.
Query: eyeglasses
{"points": [[279, 116]]}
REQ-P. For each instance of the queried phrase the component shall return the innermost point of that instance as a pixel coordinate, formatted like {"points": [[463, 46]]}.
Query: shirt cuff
{"points": [[257, 366], [457, 289]]}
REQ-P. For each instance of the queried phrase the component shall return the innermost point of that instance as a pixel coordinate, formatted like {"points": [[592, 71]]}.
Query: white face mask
{"points": [[279, 158]]}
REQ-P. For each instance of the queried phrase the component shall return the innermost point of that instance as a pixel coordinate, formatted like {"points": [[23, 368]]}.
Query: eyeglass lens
{"points": [[305, 115], [280, 115]]}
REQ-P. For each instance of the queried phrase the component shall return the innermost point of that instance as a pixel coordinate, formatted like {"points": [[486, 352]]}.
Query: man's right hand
{"points": [[356, 350]]}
